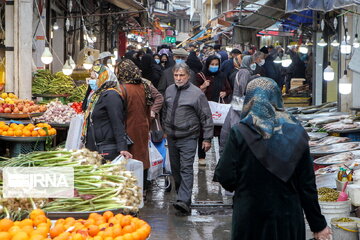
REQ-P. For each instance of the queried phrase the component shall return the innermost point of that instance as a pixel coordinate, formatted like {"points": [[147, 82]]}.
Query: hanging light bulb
{"points": [[335, 43], [67, 69], [345, 47], [116, 54], [88, 63], [46, 57], [329, 73], [55, 26], [286, 61], [67, 24], [356, 43], [303, 49], [72, 63], [344, 84], [322, 43], [277, 60]]}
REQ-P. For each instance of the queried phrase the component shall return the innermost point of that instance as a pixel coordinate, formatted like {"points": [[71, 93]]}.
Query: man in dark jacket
{"points": [[227, 66], [186, 112], [167, 77], [271, 69]]}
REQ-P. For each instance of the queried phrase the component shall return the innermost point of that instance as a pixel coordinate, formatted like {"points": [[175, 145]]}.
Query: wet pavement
{"points": [[211, 212]]}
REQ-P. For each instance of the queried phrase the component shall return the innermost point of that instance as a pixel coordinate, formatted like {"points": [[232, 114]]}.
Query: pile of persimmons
{"points": [[97, 227]]}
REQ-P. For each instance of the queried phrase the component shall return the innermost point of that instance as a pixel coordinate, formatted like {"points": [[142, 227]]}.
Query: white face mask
{"points": [[262, 62], [253, 66]]}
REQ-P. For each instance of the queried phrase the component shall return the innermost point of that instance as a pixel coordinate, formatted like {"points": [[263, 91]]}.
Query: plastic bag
{"points": [[156, 162], [73, 139], [219, 112], [137, 168]]}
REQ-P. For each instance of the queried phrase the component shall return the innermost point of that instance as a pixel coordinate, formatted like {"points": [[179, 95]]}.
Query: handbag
{"points": [[219, 111], [156, 132]]}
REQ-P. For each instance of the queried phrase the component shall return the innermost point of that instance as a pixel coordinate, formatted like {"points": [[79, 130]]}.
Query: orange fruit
{"points": [[94, 216], [34, 134], [108, 214], [5, 127], [40, 125], [21, 126], [14, 230], [26, 222], [4, 133], [57, 230], [40, 231], [127, 236], [20, 236], [39, 219], [13, 125], [118, 238], [30, 127], [26, 133], [128, 229], [136, 236], [6, 224], [10, 133], [36, 212], [126, 220], [93, 230], [5, 236], [98, 238], [18, 133], [70, 221], [28, 229], [42, 132], [117, 230], [108, 238]]}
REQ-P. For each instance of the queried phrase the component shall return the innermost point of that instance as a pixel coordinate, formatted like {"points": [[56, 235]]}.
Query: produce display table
{"points": [[23, 145], [85, 215], [46, 97]]}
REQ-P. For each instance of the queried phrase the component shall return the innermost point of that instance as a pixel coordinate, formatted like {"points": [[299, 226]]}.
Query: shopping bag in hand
{"points": [[219, 112], [156, 162]]}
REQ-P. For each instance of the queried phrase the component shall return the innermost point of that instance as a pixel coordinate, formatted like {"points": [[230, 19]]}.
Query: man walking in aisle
{"points": [[186, 111]]}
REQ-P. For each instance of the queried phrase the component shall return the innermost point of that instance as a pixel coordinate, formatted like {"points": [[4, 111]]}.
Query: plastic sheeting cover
{"points": [[319, 5]]}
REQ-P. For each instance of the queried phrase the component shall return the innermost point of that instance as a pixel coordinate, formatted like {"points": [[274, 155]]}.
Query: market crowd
{"points": [[164, 93]]}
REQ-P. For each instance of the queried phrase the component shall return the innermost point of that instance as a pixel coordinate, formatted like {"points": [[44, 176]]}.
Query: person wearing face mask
{"points": [[150, 70], [259, 61], [103, 130], [215, 85], [164, 61], [167, 78], [244, 75], [193, 62], [157, 58], [271, 69]]}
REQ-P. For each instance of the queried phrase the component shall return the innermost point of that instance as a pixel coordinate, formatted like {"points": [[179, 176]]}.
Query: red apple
{"points": [[1, 110], [7, 110]]}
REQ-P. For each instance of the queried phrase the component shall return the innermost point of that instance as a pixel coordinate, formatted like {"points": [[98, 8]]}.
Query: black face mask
{"points": [[163, 61]]}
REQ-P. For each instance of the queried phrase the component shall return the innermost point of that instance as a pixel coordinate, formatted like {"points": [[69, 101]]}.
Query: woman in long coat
{"points": [[267, 162], [138, 101]]}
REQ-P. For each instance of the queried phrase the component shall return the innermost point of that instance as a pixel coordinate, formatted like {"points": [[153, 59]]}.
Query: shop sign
{"points": [[38, 182], [169, 39]]}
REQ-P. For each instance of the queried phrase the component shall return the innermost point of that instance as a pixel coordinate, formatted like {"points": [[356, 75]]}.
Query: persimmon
{"points": [[6, 224], [126, 220]]}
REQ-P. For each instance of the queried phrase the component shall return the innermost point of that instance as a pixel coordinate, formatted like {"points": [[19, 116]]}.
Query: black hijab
{"points": [[219, 78], [146, 66], [194, 62]]}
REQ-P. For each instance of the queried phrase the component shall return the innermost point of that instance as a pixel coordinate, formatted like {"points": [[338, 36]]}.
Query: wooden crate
{"points": [[296, 101]]}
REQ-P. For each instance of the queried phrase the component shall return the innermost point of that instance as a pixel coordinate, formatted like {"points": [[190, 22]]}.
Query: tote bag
{"points": [[219, 111]]}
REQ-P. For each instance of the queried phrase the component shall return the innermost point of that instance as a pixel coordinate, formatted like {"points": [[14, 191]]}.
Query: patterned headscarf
{"points": [[128, 72], [263, 108], [106, 80], [274, 136], [246, 61]]}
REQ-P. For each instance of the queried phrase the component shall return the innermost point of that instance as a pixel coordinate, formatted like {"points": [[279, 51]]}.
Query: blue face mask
{"points": [[157, 61], [213, 69], [179, 60], [93, 85], [253, 66]]}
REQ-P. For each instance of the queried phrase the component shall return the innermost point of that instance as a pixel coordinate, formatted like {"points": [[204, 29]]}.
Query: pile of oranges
{"points": [[97, 227], [30, 130]]}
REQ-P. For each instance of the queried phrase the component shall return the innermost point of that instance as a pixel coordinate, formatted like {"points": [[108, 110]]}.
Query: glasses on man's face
{"points": [[179, 75]]}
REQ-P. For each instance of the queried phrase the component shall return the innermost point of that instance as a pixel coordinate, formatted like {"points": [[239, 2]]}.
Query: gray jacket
{"points": [[186, 110], [167, 79]]}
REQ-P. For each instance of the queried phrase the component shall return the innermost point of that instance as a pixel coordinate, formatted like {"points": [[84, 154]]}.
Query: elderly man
{"points": [[186, 112], [167, 78]]}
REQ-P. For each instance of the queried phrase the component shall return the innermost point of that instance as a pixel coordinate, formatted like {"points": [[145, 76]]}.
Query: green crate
{"points": [[18, 148]]}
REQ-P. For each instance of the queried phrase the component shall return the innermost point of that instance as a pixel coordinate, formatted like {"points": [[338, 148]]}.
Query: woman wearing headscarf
{"points": [[194, 62], [237, 65], [165, 62], [138, 101], [267, 162], [150, 70], [214, 84], [103, 128], [244, 75]]}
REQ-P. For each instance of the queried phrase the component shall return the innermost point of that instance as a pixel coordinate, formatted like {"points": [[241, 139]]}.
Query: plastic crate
{"points": [[18, 148], [355, 137]]}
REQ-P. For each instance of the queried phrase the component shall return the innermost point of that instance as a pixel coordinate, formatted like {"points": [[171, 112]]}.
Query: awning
{"points": [[265, 16], [318, 5], [199, 35], [131, 5]]}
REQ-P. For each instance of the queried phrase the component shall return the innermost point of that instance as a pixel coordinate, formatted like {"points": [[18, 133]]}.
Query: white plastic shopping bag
{"points": [[156, 162], [137, 168], [73, 139], [219, 112]]}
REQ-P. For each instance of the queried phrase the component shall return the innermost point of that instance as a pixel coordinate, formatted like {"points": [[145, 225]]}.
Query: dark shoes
{"points": [[182, 207]]}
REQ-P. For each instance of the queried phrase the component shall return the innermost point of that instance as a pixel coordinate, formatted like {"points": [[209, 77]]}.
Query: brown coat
{"points": [[138, 122]]}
